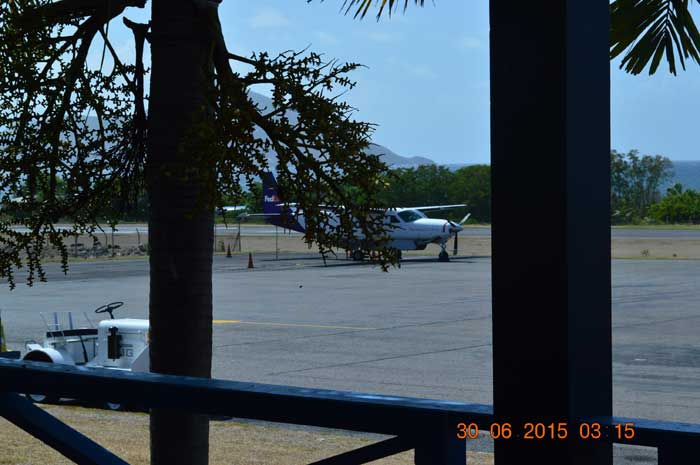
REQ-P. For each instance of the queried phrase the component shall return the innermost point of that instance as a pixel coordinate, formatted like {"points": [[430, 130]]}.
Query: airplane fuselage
{"points": [[409, 229]]}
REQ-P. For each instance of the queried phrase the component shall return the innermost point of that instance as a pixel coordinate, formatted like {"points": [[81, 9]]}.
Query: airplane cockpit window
{"points": [[394, 219], [409, 216]]}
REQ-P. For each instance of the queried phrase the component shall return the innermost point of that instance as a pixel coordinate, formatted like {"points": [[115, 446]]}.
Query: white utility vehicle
{"points": [[119, 344]]}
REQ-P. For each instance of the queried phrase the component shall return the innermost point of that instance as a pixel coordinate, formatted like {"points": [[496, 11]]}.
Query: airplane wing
{"points": [[233, 208], [334, 208], [438, 207], [257, 215]]}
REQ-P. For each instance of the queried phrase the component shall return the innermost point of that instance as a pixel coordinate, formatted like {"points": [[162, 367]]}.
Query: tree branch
{"points": [[117, 61], [140, 31], [65, 10], [242, 59]]}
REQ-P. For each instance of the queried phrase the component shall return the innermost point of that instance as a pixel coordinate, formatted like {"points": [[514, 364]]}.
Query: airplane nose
{"points": [[455, 228]]}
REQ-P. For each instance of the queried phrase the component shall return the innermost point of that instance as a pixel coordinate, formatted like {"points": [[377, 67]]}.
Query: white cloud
{"points": [[326, 38], [269, 18], [383, 37], [469, 43], [422, 71]]}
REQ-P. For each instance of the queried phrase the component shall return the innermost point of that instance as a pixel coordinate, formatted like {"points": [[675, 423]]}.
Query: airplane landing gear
{"points": [[443, 256]]}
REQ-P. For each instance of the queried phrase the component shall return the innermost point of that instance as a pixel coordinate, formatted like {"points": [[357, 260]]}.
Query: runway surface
{"points": [[423, 330]]}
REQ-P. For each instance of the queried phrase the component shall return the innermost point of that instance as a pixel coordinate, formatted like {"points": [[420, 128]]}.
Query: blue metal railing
{"points": [[428, 426]]}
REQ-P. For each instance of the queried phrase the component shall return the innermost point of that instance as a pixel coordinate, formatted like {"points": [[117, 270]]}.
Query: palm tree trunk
{"points": [[180, 226]]}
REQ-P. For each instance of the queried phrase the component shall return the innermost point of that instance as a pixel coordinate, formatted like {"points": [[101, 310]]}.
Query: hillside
{"points": [[686, 173], [388, 156]]}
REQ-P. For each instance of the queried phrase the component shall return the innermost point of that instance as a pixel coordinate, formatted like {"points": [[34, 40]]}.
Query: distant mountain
{"points": [[456, 166], [686, 173], [397, 161], [388, 156]]}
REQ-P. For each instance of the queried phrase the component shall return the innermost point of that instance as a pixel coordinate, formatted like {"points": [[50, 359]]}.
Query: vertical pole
{"points": [[439, 445], [550, 158], [277, 249], [238, 238], [676, 452], [3, 344]]}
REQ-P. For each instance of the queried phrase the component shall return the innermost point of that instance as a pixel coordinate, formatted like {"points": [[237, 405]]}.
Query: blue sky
{"points": [[427, 86]]}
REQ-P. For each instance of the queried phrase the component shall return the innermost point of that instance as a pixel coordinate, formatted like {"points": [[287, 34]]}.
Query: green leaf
{"points": [[363, 6], [645, 31]]}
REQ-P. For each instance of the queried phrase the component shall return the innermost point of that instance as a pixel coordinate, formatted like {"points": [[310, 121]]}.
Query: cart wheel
{"points": [[114, 406], [40, 398]]}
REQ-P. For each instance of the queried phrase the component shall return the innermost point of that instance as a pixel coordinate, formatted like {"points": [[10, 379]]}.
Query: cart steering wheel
{"points": [[109, 308]]}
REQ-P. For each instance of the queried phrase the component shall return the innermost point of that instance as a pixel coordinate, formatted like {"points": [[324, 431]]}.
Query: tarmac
{"points": [[423, 330]]}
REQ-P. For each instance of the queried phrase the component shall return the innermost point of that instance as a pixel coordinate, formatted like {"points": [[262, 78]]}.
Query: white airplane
{"points": [[233, 208], [412, 229]]}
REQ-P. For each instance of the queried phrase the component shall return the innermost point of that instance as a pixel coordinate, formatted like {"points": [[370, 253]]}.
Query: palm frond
{"points": [[648, 30], [363, 6]]}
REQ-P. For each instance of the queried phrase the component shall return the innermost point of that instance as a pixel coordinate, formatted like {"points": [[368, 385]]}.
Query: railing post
{"points": [[57, 435], [439, 445], [678, 452]]}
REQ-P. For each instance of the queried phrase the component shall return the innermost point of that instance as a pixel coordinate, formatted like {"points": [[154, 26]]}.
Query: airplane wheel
{"points": [[444, 257], [358, 256], [114, 406]]}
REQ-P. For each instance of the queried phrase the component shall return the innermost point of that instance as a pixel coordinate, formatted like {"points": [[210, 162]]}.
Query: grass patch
{"points": [[126, 434]]}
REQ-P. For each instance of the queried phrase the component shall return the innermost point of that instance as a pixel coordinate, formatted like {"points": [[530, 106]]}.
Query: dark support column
{"points": [[550, 145]]}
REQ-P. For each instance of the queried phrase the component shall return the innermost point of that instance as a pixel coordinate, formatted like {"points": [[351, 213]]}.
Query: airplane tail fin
{"points": [[271, 200]]}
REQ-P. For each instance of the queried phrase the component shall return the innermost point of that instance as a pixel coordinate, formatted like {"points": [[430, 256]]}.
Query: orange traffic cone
{"points": [[250, 260]]}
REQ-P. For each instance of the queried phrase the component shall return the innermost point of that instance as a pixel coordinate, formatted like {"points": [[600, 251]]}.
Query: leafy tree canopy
{"points": [[678, 206], [48, 90], [635, 184]]}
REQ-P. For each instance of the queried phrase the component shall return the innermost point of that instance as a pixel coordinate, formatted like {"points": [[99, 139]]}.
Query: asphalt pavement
{"points": [[423, 330]]}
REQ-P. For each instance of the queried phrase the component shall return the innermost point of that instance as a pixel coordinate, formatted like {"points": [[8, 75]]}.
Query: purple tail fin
{"points": [[272, 205], [271, 201]]}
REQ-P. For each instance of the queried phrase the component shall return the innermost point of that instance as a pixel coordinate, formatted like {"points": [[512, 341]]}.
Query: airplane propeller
{"points": [[455, 250], [456, 247]]}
